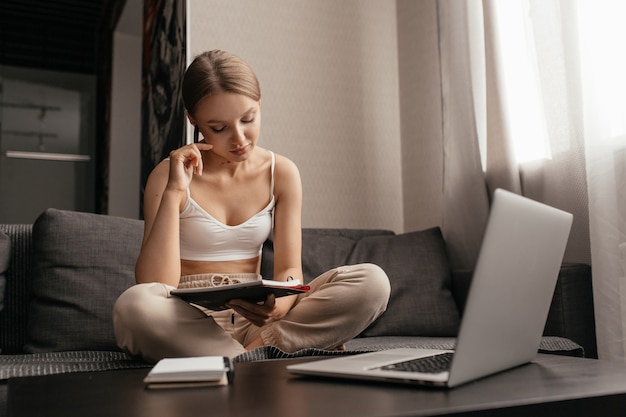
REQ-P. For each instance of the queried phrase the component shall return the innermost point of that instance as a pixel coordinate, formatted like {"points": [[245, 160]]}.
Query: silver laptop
{"points": [[506, 309]]}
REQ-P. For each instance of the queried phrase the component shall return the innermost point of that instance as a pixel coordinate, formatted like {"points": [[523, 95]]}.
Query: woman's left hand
{"points": [[261, 314]]}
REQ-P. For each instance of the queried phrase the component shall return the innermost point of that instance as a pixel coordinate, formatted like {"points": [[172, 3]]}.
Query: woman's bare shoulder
{"points": [[285, 165], [287, 177]]}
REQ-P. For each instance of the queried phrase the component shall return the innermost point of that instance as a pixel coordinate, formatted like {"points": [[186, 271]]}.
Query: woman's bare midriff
{"points": [[252, 265]]}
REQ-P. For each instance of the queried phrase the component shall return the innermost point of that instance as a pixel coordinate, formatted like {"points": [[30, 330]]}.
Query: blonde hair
{"points": [[218, 71]]}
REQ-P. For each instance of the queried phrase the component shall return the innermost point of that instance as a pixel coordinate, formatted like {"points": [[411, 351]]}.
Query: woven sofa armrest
{"points": [[13, 319], [571, 313]]}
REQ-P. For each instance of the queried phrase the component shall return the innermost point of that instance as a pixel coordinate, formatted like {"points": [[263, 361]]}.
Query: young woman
{"points": [[208, 209]]}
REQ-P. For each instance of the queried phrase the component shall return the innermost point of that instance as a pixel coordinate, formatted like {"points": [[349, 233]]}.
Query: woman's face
{"points": [[230, 122]]}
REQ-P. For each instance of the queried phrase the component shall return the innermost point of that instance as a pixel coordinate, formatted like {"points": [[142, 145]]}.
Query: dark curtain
{"points": [[164, 62], [111, 14]]}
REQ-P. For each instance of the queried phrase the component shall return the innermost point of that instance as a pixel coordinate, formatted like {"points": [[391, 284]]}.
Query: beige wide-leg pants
{"points": [[342, 302]]}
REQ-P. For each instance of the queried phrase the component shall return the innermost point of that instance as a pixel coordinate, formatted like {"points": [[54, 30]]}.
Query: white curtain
{"points": [[539, 86], [465, 194], [603, 79]]}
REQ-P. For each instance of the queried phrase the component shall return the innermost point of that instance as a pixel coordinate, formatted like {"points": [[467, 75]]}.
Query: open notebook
{"points": [[506, 309]]}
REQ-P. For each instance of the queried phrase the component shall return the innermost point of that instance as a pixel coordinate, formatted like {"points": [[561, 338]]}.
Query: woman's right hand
{"points": [[184, 163]]}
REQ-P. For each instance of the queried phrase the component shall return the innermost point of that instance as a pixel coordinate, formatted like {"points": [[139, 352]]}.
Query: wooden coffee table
{"points": [[551, 385]]}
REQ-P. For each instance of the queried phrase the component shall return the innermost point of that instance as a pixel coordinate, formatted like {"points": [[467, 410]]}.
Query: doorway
{"points": [[46, 142]]}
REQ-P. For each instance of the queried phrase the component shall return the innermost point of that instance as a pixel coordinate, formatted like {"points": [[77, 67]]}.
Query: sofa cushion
{"points": [[322, 250], [5, 255], [319, 254], [323, 253], [82, 262], [421, 302]]}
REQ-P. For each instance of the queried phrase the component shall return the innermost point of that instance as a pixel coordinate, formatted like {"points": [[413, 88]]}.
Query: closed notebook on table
{"points": [[190, 371]]}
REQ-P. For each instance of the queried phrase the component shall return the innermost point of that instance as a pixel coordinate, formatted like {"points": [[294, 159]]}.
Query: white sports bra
{"points": [[204, 238]]}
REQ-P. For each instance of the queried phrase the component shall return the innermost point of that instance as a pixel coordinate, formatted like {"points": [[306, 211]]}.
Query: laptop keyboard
{"points": [[430, 364]]}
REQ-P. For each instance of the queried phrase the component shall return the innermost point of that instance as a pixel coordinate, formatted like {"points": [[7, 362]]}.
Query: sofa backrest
{"points": [[67, 270], [323, 248]]}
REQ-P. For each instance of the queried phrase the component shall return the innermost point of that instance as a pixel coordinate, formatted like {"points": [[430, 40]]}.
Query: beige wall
{"points": [[125, 118], [421, 117], [331, 99]]}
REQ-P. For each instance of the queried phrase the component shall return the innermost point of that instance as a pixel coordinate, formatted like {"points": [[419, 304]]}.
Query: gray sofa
{"points": [[61, 276]]}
